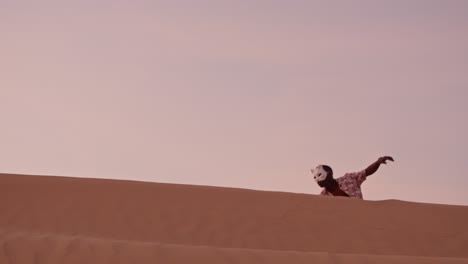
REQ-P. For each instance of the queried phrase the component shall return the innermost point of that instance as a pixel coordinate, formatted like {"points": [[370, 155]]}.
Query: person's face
{"points": [[321, 176], [324, 182]]}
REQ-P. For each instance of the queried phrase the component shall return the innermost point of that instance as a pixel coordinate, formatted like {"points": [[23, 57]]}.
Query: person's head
{"points": [[322, 174]]}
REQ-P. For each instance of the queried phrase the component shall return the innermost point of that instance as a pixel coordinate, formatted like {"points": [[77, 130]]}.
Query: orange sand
{"points": [[78, 220]]}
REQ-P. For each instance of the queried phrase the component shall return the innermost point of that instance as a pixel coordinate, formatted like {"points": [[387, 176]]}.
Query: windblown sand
{"points": [[77, 220]]}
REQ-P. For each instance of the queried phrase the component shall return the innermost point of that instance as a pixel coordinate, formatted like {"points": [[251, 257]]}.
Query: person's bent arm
{"points": [[375, 166]]}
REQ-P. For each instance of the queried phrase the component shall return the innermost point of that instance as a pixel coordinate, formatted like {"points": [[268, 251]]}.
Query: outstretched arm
{"points": [[375, 166]]}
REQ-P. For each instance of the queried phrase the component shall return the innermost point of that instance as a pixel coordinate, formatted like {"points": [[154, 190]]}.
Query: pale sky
{"points": [[249, 94]]}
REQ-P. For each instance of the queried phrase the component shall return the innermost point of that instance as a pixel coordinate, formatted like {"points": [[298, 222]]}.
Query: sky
{"points": [[249, 94]]}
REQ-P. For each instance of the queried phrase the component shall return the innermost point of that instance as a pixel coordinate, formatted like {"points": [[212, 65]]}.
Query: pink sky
{"points": [[245, 94]]}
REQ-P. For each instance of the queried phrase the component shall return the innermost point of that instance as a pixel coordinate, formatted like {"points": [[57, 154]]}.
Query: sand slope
{"points": [[74, 220]]}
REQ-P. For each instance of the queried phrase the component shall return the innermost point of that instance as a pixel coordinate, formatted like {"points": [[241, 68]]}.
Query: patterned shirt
{"points": [[350, 183]]}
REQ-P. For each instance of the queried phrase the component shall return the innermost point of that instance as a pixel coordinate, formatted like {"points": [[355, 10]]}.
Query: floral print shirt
{"points": [[350, 183]]}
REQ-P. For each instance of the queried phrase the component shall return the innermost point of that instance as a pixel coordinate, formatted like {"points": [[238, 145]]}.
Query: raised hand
{"points": [[383, 160]]}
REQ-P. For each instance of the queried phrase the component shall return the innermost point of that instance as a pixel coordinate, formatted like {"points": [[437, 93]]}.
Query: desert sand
{"points": [[48, 219]]}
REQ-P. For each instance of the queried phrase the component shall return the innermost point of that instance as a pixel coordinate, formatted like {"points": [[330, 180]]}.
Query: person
{"points": [[348, 185]]}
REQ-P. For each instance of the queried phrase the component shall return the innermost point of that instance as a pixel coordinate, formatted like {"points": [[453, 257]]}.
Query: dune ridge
{"points": [[47, 219]]}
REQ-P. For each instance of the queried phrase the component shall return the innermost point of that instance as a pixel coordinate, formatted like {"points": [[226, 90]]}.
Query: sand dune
{"points": [[75, 220]]}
